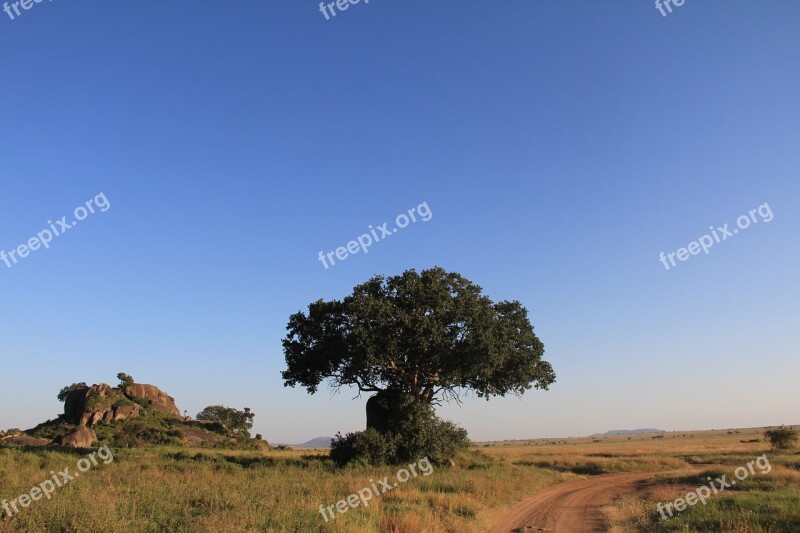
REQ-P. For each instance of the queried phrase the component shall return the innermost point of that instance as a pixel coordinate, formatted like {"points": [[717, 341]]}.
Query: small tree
{"points": [[64, 393], [235, 421], [124, 380], [781, 437]]}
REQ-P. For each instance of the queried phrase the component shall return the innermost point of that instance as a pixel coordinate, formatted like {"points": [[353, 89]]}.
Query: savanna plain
{"points": [[177, 489]]}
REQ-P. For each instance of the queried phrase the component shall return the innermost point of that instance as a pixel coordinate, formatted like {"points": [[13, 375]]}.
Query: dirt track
{"points": [[572, 507]]}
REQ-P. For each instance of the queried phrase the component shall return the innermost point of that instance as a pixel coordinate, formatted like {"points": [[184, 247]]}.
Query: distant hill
{"points": [[319, 442], [617, 432]]}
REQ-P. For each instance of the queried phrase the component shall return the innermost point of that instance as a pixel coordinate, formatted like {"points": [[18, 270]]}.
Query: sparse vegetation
{"points": [[781, 437], [186, 490]]}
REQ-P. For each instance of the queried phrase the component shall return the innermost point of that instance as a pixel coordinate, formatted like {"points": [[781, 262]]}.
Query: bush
{"points": [[370, 446], [415, 432], [420, 433], [137, 434], [781, 438]]}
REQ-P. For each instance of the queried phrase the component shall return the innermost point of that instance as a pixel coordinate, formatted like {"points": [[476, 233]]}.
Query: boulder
{"points": [[74, 404], [79, 437], [123, 412], [151, 394]]}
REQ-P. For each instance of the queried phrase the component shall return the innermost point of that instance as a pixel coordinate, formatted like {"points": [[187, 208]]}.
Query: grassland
{"points": [[178, 490]]}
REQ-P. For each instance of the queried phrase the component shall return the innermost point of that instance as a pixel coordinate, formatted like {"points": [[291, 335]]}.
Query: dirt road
{"points": [[572, 507]]}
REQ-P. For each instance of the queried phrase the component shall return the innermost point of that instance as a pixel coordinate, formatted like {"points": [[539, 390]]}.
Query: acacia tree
{"points": [[781, 437], [125, 380], [64, 393], [235, 421], [430, 335]]}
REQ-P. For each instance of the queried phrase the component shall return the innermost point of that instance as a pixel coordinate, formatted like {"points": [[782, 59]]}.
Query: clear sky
{"points": [[560, 145]]}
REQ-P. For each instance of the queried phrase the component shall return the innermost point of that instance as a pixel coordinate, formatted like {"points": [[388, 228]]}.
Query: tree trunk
{"points": [[380, 408]]}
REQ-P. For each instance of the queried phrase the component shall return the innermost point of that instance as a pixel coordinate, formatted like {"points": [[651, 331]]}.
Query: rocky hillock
{"points": [[87, 406], [130, 415]]}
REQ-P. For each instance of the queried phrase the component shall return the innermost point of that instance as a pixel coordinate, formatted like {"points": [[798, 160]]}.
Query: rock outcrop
{"points": [[79, 437], [139, 415], [87, 406], [154, 396], [98, 403]]}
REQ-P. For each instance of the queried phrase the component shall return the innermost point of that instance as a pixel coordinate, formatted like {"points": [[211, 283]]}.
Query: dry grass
{"points": [[214, 491], [767, 502], [179, 490], [627, 515]]}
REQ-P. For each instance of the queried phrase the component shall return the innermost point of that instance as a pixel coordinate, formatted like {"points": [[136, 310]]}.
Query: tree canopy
{"points": [[429, 334], [782, 437], [235, 421], [66, 391], [124, 380]]}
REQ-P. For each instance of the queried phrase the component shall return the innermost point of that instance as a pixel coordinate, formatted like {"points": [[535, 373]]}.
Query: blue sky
{"points": [[561, 146]]}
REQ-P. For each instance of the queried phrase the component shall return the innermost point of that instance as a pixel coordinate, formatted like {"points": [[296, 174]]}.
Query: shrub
{"points": [[415, 432], [422, 434], [781, 437], [136, 434], [370, 446]]}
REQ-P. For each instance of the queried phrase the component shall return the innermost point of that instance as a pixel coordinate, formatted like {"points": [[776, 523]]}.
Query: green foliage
{"points": [[781, 437], [66, 391], [137, 434], [425, 334], [124, 380], [213, 427], [415, 432], [50, 429], [236, 442], [113, 398], [370, 446], [234, 421]]}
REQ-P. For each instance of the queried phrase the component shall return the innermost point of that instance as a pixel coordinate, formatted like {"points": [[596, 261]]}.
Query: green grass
{"points": [[765, 502], [774, 510]]}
